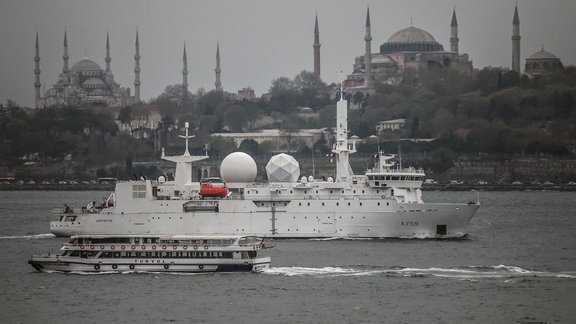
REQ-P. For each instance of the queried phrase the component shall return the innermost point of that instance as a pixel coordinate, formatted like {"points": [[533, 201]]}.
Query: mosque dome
{"points": [[93, 83], [411, 39], [86, 65], [542, 62], [542, 54]]}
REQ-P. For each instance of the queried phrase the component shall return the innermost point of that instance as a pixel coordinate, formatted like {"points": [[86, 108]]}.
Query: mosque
{"points": [[410, 48], [86, 83], [415, 49]]}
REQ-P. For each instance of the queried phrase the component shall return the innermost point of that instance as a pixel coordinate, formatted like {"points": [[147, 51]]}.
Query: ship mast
{"points": [[184, 162], [342, 147]]}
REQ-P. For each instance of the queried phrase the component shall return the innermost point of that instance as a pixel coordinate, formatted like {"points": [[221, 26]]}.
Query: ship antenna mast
{"points": [[342, 148], [186, 125]]}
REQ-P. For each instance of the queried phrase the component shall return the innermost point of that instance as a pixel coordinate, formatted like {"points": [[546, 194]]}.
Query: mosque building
{"points": [[85, 83], [410, 48], [542, 62]]}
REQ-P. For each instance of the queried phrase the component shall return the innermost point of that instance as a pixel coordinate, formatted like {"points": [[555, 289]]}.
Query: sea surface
{"points": [[517, 265]]}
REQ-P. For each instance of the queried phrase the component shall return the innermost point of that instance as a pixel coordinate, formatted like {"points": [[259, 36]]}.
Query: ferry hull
{"points": [[62, 264], [426, 220]]}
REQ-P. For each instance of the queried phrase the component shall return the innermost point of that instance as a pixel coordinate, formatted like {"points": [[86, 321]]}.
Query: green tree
{"points": [[310, 88], [125, 115]]}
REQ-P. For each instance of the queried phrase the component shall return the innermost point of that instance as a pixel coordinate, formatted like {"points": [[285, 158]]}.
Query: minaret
{"points": [[137, 69], [516, 41], [184, 76], [368, 53], [218, 84], [37, 83], [316, 48], [107, 59], [65, 56], [454, 33]]}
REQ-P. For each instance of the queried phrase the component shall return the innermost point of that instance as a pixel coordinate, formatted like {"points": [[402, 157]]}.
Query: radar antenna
{"points": [[186, 126]]}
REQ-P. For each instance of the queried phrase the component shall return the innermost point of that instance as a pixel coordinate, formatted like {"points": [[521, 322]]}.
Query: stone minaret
{"points": [[184, 76], [137, 70], [65, 56], [454, 33], [316, 48], [37, 83], [516, 41], [107, 59], [218, 84], [368, 53]]}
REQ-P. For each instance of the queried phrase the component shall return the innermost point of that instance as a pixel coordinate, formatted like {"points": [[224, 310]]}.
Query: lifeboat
{"points": [[213, 187]]}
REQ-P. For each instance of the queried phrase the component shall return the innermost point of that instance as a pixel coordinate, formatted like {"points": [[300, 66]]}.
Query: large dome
{"points": [[238, 167], [411, 39], [94, 82], [86, 65], [411, 35], [541, 55]]}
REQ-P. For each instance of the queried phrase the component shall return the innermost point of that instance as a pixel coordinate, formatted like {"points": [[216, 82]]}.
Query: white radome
{"points": [[282, 168], [238, 167]]}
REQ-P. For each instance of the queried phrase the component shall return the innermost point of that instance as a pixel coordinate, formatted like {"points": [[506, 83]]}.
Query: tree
{"points": [[125, 115], [174, 92], [250, 147], [290, 125], [284, 95], [310, 87], [208, 103], [235, 118]]}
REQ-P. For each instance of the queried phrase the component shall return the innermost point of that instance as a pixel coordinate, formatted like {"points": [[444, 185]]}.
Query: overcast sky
{"points": [[260, 40]]}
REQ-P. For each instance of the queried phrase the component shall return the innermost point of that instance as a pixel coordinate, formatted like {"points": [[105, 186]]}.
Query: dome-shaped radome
{"points": [[238, 167], [282, 168]]}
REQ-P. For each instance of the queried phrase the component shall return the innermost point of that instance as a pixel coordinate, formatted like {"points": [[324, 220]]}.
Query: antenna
{"points": [[313, 169], [206, 148], [186, 125], [342, 79]]}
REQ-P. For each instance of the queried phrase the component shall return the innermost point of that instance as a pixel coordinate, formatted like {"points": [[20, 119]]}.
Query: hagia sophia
{"points": [[411, 48]]}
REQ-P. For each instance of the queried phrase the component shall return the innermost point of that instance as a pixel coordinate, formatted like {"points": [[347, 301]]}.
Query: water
{"points": [[518, 265]]}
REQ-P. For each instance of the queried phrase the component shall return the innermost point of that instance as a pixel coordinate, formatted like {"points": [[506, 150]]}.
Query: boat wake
{"points": [[29, 237], [471, 273]]}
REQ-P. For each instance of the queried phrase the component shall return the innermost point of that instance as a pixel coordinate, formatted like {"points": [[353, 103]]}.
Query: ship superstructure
{"points": [[386, 201]]}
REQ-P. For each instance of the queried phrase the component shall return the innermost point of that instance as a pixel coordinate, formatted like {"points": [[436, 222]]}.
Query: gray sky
{"points": [[260, 40]]}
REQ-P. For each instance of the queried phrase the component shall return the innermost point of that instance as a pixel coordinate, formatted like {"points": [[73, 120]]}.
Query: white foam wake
{"points": [[29, 237], [465, 273]]}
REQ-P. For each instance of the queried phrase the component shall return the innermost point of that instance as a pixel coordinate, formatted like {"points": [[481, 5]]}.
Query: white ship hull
{"points": [[243, 217]]}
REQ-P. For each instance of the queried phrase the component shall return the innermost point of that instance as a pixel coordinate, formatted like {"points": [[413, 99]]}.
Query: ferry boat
{"points": [[104, 253], [384, 202]]}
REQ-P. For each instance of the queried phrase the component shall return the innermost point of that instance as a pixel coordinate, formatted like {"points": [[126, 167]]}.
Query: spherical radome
{"points": [[282, 168], [238, 167]]}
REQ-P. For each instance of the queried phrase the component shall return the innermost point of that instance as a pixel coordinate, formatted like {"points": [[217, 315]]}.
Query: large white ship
{"points": [[385, 202]]}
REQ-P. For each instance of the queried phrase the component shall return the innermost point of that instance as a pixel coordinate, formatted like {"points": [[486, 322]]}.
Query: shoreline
{"points": [[425, 187]]}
